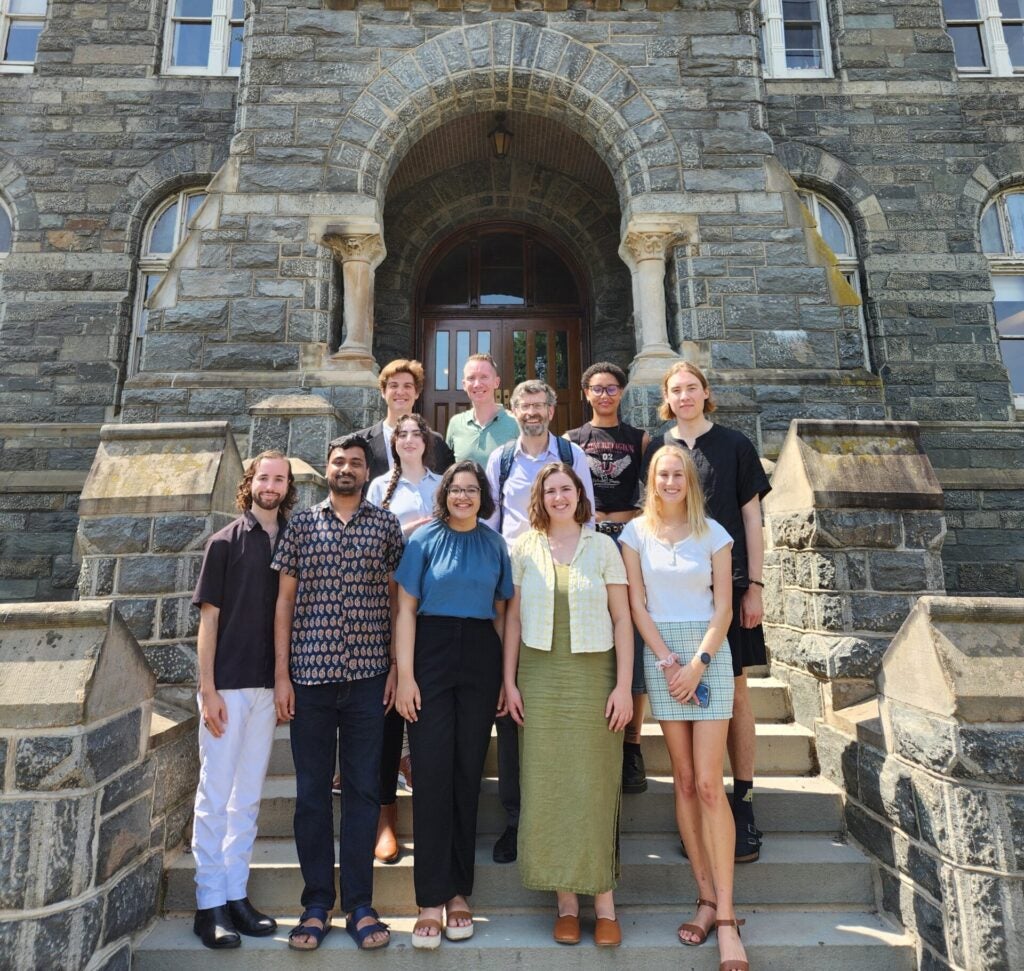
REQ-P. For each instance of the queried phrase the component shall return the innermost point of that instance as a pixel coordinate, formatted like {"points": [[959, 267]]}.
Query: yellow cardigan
{"points": [[594, 565]]}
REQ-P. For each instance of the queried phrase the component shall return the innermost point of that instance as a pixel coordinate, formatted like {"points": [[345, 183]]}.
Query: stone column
{"points": [[153, 496], [644, 249], [359, 254], [84, 816], [942, 806], [854, 536]]}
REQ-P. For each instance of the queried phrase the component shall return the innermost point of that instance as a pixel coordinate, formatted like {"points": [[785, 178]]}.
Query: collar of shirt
{"points": [[471, 420], [251, 522], [428, 476], [550, 451], [325, 508]]}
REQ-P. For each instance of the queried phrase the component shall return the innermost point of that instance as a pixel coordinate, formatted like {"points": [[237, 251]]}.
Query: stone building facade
{"points": [[340, 147]]}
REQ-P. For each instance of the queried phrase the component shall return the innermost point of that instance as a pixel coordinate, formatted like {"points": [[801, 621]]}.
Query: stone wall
{"points": [[91, 789], [42, 471], [935, 787]]}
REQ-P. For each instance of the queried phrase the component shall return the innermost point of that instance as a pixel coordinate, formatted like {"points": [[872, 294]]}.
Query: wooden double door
{"points": [[546, 348]]}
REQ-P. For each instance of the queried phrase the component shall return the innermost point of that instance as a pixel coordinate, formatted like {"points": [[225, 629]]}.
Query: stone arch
{"points": [[842, 183], [496, 66], [1002, 170], [21, 201], [585, 221]]}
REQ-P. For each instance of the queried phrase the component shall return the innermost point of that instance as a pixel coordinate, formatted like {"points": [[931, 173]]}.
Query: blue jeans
{"points": [[355, 710]]}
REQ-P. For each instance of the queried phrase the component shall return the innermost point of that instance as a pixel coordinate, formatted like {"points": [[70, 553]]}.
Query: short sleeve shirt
{"points": [[410, 500], [456, 574], [236, 578], [677, 577], [341, 629], [614, 455], [730, 475], [471, 441]]}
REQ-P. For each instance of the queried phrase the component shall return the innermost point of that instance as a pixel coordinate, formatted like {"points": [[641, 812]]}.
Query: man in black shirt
{"points": [[614, 452], [236, 595]]}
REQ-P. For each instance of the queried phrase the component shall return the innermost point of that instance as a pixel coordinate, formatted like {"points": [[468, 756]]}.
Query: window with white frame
{"points": [[164, 232], [1002, 241], [836, 231], [21, 23], [6, 230], [204, 37], [987, 35], [795, 39]]}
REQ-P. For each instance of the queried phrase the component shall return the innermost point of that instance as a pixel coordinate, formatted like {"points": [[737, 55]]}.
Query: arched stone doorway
{"points": [[514, 292]]}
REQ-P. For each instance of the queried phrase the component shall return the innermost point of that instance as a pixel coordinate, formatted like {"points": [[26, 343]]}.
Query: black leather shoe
{"points": [[507, 848], [214, 928], [248, 920], [748, 843]]}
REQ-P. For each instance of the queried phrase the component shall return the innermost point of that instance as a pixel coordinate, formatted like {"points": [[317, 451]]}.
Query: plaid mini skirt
{"points": [[683, 639]]}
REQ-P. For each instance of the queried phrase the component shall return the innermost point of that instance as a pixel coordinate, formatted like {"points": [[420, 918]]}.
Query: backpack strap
{"points": [[565, 455], [508, 454]]}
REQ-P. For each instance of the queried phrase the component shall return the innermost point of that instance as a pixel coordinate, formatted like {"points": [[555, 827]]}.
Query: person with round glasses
{"points": [[453, 581], [615, 451]]}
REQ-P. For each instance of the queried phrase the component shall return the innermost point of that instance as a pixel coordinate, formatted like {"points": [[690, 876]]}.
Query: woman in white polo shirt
{"points": [[568, 676]]}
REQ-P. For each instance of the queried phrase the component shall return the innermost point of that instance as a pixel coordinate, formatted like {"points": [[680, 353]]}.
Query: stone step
{"points": [[782, 803], [800, 870], [776, 940], [781, 750]]}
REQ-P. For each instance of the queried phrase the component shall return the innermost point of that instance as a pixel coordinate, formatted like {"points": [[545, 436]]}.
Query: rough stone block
{"points": [[131, 902], [110, 747], [48, 763], [123, 837], [115, 534]]}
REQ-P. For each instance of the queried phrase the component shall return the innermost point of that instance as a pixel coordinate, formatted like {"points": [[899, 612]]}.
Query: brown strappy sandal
{"points": [[734, 964], [701, 933]]}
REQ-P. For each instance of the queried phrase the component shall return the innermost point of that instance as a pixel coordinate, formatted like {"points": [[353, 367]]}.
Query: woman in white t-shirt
{"points": [[679, 565]]}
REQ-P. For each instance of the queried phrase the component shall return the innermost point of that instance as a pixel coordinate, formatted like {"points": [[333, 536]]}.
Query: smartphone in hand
{"points": [[701, 695]]}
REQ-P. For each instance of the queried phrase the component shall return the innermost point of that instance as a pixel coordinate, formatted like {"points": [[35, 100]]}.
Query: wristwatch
{"points": [[705, 658]]}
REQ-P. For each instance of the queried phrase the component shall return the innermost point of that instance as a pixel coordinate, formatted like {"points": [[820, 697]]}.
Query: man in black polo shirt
{"points": [[235, 595], [335, 676]]}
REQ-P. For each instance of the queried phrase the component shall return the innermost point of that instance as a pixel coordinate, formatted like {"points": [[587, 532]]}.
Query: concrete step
{"points": [[800, 870], [781, 750], [776, 940], [802, 804]]}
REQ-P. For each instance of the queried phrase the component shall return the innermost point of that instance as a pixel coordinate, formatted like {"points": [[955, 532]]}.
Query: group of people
{"points": [[500, 574]]}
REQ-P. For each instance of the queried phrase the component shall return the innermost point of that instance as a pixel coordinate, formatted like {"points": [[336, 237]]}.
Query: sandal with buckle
{"points": [[301, 929], [733, 964], [454, 932], [701, 932], [360, 934], [427, 942]]}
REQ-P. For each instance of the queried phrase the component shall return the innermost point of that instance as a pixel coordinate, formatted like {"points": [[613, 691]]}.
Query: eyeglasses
{"points": [[470, 492], [611, 390]]}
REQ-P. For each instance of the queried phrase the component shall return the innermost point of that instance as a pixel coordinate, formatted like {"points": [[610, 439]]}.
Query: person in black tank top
{"points": [[615, 452]]}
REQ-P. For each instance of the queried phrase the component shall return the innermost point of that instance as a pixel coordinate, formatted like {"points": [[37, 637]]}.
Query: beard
{"points": [[268, 504], [347, 486], [533, 431]]}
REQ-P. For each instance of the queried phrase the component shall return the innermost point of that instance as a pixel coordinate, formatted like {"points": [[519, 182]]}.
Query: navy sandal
{"points": [[360, 934], [317, 933]]}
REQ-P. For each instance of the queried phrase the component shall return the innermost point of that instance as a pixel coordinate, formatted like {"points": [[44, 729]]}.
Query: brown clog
{"points": [[567, 929], [607, 932]]}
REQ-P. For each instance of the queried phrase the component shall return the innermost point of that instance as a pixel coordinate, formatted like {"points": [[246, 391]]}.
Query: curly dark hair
{"points": [[428, 449], [441, 496], [243, 498], [539, 518]]}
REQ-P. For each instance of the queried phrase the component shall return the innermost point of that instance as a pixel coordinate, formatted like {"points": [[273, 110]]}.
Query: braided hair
{"points": [[396, 472]]}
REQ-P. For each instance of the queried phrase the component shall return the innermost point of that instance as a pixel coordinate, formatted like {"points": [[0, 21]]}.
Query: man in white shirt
{"points": [[533, 404]]}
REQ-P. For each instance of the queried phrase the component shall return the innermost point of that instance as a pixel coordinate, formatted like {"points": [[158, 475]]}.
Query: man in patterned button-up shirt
{"points": [[335, 676]]}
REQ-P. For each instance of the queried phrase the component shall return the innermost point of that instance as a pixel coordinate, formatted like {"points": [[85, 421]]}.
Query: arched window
{"points": [[835, 229], [164, 232], [1002, 241], [6, 230]]}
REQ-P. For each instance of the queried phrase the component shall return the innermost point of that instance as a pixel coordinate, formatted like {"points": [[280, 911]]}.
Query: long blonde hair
{"points": [[664, 412], [696, 516]]}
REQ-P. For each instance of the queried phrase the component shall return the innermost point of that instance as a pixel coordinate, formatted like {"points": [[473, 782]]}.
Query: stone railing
{"points": [[95, 787], [935, 786]]}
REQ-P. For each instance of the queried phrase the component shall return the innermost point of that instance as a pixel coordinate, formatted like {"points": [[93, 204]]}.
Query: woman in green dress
{"points": [[568, 675]]}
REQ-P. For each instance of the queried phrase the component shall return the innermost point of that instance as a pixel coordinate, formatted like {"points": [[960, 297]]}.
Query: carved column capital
{"points": [[360, 247], [651, 245]]}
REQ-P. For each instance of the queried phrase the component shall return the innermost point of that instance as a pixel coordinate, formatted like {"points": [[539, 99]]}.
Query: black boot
{"points": [[248, 920], [214, 928], [634, 773]]}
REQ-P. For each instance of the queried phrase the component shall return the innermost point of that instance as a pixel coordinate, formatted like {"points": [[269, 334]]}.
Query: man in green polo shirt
{"points": [[475, 433]]}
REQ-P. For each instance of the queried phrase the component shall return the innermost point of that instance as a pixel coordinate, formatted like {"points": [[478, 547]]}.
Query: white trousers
{"points": [[231, 773]]}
